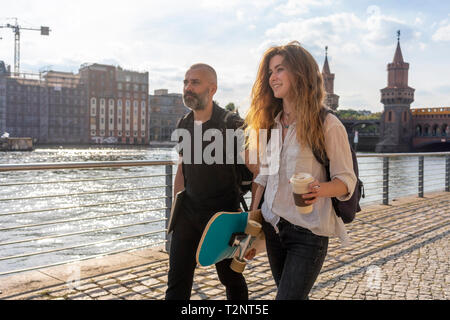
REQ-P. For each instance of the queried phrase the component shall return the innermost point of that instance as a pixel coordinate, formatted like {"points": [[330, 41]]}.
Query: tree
{"points": [[357, 115], [230, 107]]}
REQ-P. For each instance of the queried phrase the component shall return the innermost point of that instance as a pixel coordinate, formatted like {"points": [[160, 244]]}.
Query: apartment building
{"points": [[165, 111], [117, 104]]}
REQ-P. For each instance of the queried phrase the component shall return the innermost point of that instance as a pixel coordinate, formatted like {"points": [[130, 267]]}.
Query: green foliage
{"points": [[350, 114], [230, 107]]}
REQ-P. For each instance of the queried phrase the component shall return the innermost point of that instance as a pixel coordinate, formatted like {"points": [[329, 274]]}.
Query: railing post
{"points": [[447, 173], [169, 192], [386, 180], [421, 175]]}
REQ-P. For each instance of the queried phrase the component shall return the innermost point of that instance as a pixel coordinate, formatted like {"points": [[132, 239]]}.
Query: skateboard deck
{"points": [[215, 244]]}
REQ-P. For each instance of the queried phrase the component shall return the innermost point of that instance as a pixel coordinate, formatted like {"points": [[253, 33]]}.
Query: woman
{"points": [[287, 99]]}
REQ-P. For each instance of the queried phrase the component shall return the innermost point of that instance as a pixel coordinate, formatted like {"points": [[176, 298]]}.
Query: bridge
{"points": [[368, 133], [431, 130]]}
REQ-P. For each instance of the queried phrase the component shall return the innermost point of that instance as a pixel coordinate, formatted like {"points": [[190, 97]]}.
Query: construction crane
{"points": [[16, 29]]}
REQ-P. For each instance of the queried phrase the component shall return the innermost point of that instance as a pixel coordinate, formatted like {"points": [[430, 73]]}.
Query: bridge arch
{"points": [[445, 130], [436, 130], [426, 130], [360, 125], [418, 130]]}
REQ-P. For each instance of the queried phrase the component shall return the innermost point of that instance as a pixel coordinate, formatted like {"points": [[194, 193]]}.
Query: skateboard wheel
{"points": [[237, 266], [253, 228]]}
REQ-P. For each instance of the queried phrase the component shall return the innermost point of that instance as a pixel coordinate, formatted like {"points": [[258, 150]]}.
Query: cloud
{"points": [[443, 32], [299, 7], [380, 29], [340, 31], [345, 31]]}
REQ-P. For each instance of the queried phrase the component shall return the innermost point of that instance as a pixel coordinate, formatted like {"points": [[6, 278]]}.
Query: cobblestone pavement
{"points": [[399, 251]]}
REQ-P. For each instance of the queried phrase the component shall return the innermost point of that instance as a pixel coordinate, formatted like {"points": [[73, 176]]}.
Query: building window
{"points": [[390, 116], [418, 130]]}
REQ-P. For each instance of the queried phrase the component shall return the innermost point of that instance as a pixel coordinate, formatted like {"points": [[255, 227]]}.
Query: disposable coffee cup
{"points": [[300, 182]]}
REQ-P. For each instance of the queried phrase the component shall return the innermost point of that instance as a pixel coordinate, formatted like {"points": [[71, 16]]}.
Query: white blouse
{"points": [[280, 164]]}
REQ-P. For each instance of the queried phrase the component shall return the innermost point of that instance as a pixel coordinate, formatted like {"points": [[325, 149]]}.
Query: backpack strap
{"points": [[228, 124], [317, 154]]}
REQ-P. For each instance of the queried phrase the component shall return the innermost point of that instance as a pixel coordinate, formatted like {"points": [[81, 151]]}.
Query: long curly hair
{"points": [[308, 91]]}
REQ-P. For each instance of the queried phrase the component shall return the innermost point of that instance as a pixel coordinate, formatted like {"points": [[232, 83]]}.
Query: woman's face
{"points": [[279, 78]]}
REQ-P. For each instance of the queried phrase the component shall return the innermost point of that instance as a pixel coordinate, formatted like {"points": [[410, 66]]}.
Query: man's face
{"points": [[198, 89]]}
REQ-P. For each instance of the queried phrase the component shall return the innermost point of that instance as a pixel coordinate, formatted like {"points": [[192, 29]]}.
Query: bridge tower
{"points": [[396, 119], [331, 99]]}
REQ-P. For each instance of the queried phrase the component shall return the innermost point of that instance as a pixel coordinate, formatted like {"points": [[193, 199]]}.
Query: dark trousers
{"points": [[185, 239], [296, 256]]}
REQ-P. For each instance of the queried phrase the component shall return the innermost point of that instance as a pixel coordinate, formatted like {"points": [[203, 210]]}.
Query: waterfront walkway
{"points": [[400, 251]]}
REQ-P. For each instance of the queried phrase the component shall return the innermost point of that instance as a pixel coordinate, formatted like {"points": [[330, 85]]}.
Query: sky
{"points": [[166, 37]]}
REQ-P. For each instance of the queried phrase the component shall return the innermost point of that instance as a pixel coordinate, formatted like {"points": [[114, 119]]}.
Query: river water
{"points": [[39, 205]]}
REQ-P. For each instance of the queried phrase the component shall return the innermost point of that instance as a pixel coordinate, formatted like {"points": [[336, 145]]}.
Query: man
{"points": [[210, 188]]}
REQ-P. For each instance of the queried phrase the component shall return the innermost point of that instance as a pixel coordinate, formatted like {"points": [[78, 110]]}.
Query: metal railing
{"points": [[115, 210], [101, 208], [387, 176]]}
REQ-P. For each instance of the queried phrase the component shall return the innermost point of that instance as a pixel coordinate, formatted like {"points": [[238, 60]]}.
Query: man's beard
{"points": [[196, 101]]}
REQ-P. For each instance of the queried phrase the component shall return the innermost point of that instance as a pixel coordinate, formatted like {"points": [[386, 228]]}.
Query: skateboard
{"points": [[231, 235]]}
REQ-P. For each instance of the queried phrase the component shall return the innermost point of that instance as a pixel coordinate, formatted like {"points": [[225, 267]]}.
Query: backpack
{"points": [[344, 209]]}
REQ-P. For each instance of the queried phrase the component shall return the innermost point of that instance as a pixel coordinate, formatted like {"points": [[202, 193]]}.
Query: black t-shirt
{"points": [[209, 187]]}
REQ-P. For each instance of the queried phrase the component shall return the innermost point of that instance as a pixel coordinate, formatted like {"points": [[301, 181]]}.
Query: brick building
{"points": [[165, 111], [63, 108], [118, 104], [100, 104], [48, 107]]}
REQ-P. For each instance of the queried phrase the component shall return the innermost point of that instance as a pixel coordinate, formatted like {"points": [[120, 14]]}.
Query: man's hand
{"points": [[250, 254]]}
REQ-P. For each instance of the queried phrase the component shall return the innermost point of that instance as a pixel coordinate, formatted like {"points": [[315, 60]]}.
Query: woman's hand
{"points": [[314, 192], [333, 188]]}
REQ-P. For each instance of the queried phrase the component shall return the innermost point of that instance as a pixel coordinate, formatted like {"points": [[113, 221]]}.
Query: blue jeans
{"points": [[296, 256]]}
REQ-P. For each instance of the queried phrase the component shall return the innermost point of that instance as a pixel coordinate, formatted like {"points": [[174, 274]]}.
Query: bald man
{"points": [[209, 188]]}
